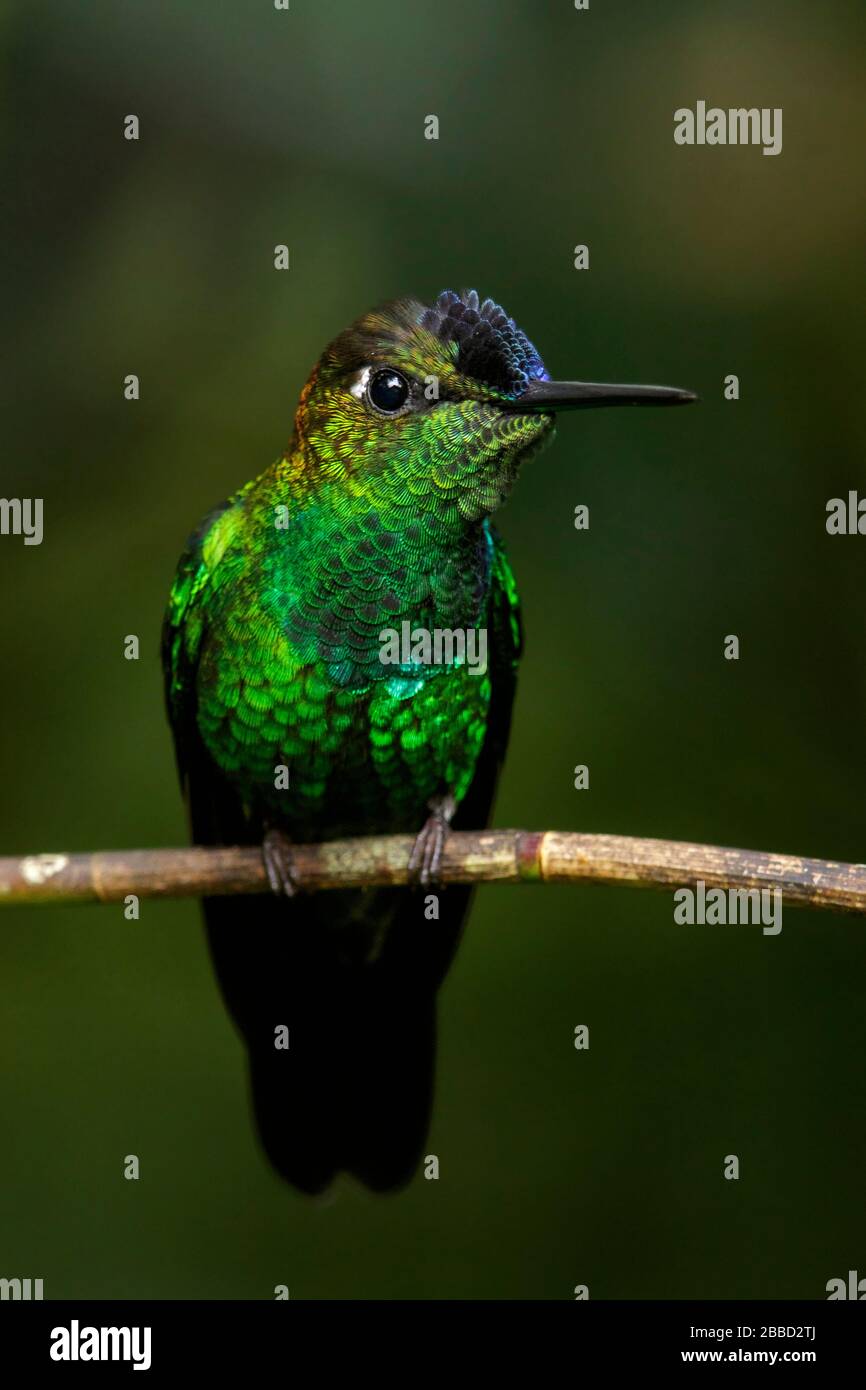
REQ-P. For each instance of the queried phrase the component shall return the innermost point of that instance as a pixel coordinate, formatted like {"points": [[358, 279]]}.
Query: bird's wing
{"points": [[504, 646], [215, 811]]}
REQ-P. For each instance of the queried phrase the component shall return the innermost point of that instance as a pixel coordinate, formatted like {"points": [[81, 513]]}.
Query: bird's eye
{"points": [[388, 390]]}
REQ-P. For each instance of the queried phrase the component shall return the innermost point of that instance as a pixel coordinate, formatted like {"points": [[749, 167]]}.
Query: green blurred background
{"points": [[257, 127]]}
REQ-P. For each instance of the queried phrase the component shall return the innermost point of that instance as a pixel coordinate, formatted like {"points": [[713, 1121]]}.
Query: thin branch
{"points": [[491, 856]]}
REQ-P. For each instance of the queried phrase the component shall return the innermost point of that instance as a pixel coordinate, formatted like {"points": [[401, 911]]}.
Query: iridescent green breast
{"points": [[357, 760], [280, 635]]}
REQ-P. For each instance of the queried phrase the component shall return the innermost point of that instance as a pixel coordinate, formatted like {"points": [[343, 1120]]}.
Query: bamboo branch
{"points": [[491, 856]]}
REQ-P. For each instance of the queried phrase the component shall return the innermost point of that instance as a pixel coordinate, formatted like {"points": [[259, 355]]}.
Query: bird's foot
{"points": [[280, 864], [425, 861]]}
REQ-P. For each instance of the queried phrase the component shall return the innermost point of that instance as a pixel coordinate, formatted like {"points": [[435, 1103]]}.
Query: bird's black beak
{"points": [[580, 395]]}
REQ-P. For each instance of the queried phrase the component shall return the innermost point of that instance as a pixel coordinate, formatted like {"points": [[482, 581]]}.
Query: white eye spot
{"points": [[358, 385]]}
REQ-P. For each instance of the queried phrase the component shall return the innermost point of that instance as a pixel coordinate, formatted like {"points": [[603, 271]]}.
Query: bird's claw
{"points": [[425, 861], [280, 864]]}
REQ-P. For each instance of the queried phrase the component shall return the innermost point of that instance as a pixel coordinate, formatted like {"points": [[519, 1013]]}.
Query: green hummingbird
{"points": [[291, 724]]}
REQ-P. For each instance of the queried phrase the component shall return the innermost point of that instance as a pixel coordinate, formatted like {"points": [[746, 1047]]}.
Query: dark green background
{"points": [[557, 1167]]}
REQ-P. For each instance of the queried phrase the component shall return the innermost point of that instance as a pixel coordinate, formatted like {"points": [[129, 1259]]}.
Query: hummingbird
{"points": [[290, 727]]}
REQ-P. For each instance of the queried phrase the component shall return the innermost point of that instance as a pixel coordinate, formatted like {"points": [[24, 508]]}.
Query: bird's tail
{"points": [[354, 1089], [341, 1052]]}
